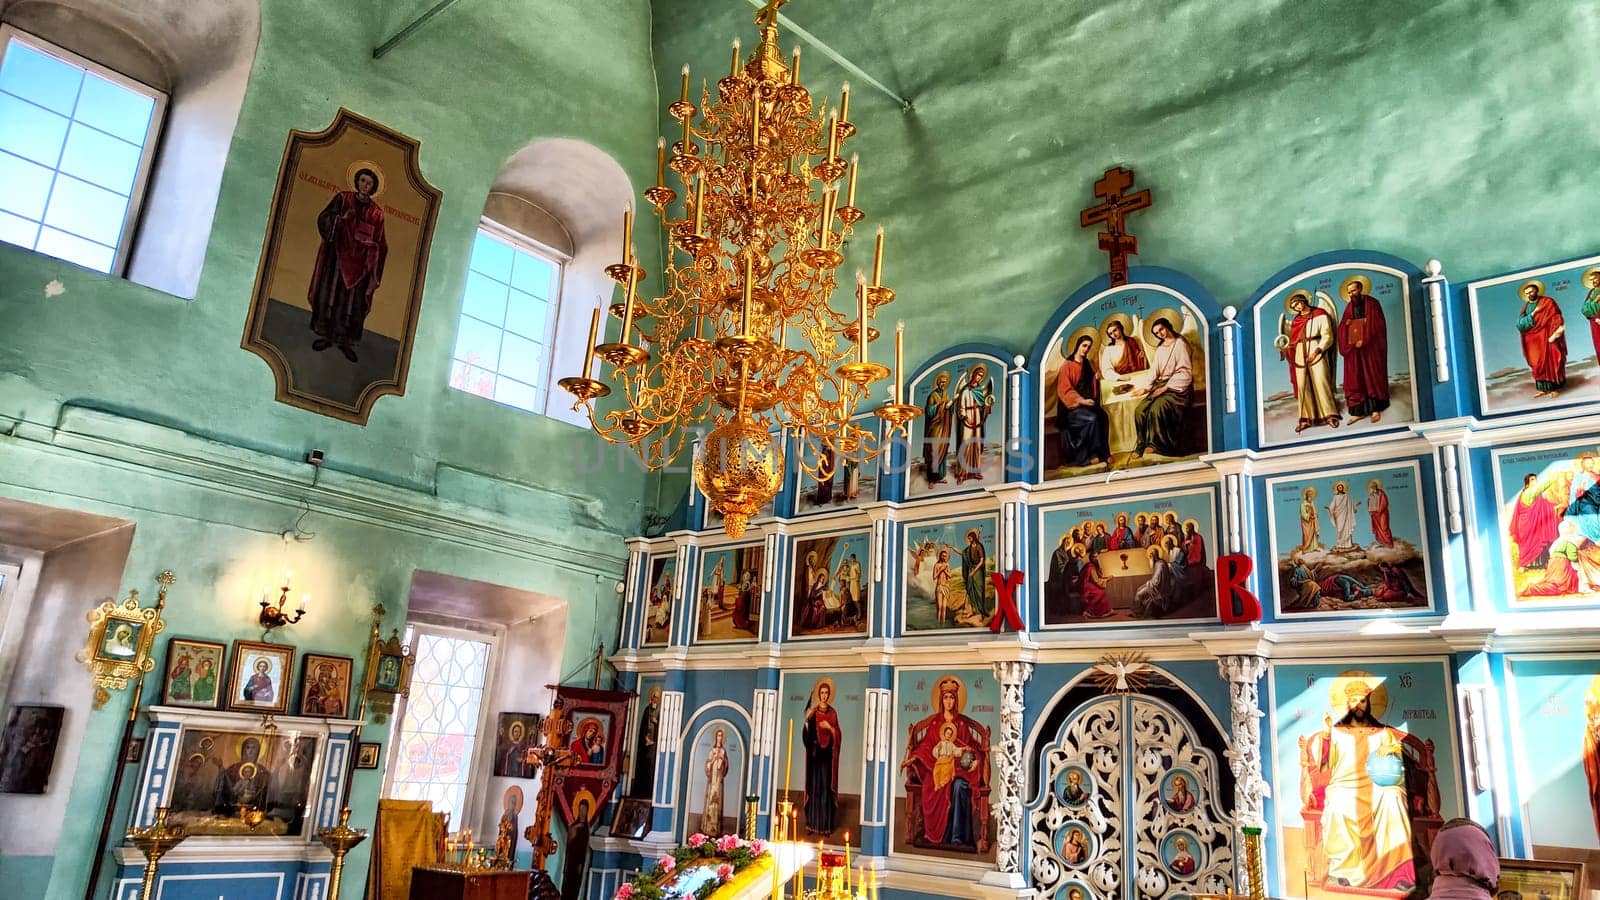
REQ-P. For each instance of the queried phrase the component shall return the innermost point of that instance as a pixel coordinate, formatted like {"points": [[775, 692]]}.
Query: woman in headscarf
{"points": [[1465, 864]]}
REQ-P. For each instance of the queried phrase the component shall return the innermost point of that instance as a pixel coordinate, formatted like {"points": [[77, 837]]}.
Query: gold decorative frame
{"points": [[113, 627], [381, 696], [356, 141]]}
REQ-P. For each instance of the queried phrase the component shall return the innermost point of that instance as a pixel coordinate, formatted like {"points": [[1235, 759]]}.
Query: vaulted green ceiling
{"points": [[1268, 131]]}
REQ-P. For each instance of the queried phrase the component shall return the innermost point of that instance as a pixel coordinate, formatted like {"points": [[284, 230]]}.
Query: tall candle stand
{"points": [[339, 840], [154, 841], [1252, 862]]}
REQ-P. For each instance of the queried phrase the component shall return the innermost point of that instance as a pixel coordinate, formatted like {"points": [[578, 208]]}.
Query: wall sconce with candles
{"points": [[275, 615]]}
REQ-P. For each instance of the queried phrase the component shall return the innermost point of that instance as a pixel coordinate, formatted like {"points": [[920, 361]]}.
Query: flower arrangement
{"points": [[735, 853]]}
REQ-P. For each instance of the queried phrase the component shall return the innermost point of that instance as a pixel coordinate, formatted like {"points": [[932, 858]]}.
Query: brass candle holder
{"points": [[1252, 862], [750, 804], [154, 841], [339, 840]]}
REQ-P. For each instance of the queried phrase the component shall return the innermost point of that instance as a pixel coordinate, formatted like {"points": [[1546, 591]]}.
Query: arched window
{"points": [[551, 223], [508, 315], [76, 139], [115, 124]]}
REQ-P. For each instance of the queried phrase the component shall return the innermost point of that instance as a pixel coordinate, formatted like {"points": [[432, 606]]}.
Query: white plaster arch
{"points": [[567, 195], [201, 54]]}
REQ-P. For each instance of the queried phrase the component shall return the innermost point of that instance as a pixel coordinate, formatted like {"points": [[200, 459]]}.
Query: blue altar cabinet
{"points": [[252, 792]]}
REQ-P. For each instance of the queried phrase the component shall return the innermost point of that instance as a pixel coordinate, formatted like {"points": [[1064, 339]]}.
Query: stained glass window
{"points": [[507, 316], [75, 146], [433, 754]]}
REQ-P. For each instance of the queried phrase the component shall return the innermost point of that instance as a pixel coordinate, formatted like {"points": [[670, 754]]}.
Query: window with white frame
{"points": [[434, 750], [508, 314], [76, 140]]}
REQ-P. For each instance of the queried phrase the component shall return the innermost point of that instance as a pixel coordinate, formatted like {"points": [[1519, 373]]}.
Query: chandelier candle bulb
{"points": [[755, 127], [850, 192], [794, 68], [833, 134], [661, 162], [683, 90], [844, 103], [861, 322], [688, 135], [733, 71], [594, 333], [627, 230], [877, 259], [305, 601], [627, 306], [899, 359]]}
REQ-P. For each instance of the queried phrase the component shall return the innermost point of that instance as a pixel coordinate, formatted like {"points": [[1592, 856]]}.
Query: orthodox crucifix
{"points": [[1112, 210], [767, 16], [550, 754]]}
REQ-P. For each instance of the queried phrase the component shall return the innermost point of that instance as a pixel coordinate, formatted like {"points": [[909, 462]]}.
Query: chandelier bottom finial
{"points": [[739, 468]]}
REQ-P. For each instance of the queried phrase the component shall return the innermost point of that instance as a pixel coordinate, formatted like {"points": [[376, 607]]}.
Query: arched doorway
{"points": [[1131, 798]]}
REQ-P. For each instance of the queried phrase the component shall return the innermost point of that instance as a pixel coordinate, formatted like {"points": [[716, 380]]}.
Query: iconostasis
{"points": [[1324, 561]]}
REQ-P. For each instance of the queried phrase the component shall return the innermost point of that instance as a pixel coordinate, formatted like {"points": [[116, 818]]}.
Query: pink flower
{"points": [[757, 847], [724, 872], [696, 839], [727, 842], [626, 891], [667, 864]]}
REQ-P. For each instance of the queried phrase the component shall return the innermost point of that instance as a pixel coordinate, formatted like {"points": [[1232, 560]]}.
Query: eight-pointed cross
{"points": [[1115, 240]]}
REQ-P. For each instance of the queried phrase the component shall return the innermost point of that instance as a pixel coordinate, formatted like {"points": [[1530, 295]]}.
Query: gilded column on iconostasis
{"points": [[1012, 675]]}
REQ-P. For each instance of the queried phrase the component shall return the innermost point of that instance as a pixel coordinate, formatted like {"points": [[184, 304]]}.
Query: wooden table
{"points": [[429, 883]]}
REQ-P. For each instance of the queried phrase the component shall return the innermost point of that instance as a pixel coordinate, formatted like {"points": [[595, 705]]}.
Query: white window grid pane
{"points": [[102, 245], [441, 722], [514, 379]]}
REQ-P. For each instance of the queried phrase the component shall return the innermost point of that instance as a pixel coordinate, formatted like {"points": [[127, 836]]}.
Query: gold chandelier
{"points": [[743, 337]]}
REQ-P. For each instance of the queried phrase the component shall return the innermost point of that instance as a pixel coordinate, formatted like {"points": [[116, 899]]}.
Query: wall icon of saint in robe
{"points": [[958, 442], [1351, 541], [942, 800], [1333, 353], [1369, 754], [1537, 336], [715, 780], [339, 289], [1132, 560], [825, 778], [1124, 384], [1550, 520]]}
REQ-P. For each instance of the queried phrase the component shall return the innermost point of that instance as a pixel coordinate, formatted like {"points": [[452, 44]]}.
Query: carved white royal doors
{"points": [[1129, 804]]}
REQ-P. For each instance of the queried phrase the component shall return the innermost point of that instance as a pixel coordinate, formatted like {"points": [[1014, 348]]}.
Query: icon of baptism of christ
{"points": [[1125, 384], [1334, 354]]}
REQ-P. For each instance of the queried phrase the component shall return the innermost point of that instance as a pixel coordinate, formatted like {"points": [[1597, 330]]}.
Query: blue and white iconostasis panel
{"points": [[822, 717], [1554, 708], [1364, 772], [1136, 560], [1124, 376], [823, 482], [945, 574], [1352, 542], [727, 602], [1536, 333], [959, 441], [1545, 528], [946, 724], [1334, 352]]}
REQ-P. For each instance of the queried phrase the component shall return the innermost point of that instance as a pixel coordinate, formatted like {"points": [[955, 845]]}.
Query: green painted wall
{"points": [[1456, 129], [119, 400]]}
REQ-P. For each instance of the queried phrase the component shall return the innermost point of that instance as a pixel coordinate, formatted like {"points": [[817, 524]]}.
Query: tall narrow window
{"points": [[443, 717], [75, 145], [507, 316]]}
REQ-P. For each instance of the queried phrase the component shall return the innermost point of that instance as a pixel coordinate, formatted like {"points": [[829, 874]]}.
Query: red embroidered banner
{"points": [[592, 731]]}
